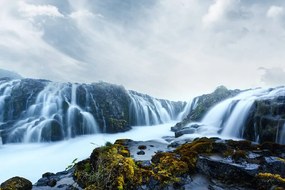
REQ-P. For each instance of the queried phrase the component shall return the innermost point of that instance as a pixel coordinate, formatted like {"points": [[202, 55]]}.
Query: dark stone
{"points": [[140, 152], [48, 174], [227, 172], [186, 130], [142, 147], [52, 182]]}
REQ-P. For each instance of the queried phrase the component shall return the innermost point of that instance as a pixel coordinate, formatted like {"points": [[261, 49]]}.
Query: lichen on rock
{"points": [[16, 183]]}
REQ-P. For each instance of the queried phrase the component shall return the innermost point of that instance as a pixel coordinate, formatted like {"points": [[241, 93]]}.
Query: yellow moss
{"points": [[113, 168], [125, 152], [121, 182], [92, 187], [271, 176], [202, 147], [169, 168], [281, 159]]}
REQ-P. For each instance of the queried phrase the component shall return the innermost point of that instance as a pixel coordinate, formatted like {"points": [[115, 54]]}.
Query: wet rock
{"points": [[227, 171], [185, 130], [142, 147], [16, 183], [141, 152], [59, 181], [265, 120]]}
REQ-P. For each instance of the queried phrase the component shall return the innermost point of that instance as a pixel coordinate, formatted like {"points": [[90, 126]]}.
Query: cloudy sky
{"points": [[171, 49]]}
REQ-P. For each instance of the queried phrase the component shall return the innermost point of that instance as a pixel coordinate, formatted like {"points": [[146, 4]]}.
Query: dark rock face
{"points": [[266, 120], [203, 104], [16, 183]]}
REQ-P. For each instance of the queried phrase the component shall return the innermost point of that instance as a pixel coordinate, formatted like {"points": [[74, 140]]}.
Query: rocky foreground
{"points": [[204, 163]]}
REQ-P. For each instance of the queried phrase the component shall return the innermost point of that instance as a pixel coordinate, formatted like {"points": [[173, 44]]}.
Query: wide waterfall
{"points": [[229, 117], [39, 110]]}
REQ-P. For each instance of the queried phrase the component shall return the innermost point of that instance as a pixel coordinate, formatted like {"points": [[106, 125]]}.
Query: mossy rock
{"points": [[16, 183], [109, 167], [202, 145], [270, 181]]}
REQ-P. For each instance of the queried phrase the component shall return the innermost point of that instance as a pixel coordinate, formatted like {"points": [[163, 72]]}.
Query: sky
{"points": [[174, 49]]}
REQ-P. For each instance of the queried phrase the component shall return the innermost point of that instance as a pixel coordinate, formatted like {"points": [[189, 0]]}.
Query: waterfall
{"points": [[228, 117], [5, 90], [235, 123], [189, 106], [44, 120], [145, 110], [38, 110]]}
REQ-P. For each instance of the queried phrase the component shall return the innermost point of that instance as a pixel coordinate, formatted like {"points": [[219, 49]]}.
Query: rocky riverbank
{"points": [[203, 163]]}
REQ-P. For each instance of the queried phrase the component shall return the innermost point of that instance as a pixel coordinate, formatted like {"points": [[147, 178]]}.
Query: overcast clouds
{"points": [[168, 49]]}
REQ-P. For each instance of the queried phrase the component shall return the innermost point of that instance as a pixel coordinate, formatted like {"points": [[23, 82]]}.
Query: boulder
{"points": [[16, 183]]}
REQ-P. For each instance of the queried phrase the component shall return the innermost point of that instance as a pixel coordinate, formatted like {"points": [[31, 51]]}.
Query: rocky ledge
{"points": [[203, 163]]}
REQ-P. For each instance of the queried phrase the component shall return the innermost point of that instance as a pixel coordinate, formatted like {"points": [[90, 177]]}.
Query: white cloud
{"points": [[82, 14], [30, 10], [161, 48], [275, 12], [273, 76], [218, 11]]}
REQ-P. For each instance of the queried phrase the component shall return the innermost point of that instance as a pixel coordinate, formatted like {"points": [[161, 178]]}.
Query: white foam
{"points": [[32, 160]]}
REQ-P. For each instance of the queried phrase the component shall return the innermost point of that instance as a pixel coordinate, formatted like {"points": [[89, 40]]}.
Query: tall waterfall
{"points": [[38, 110]]}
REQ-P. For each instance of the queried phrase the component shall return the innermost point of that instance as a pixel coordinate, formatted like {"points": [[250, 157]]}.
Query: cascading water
{"points": [[5, 92], [228, 117], [234, 124], [45, 119], [190, 106], [39, 110], [145, 110]]}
